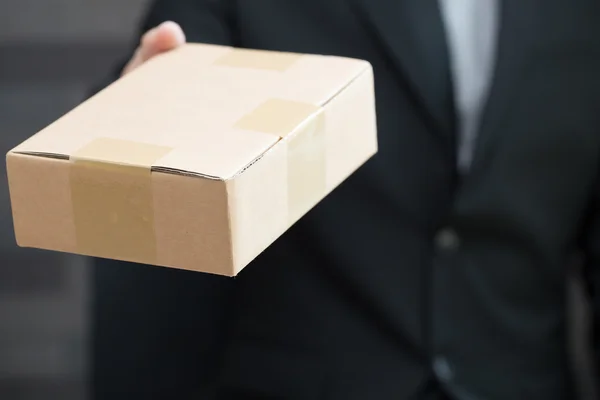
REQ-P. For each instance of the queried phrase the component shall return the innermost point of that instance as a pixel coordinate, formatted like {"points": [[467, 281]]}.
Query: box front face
{"points": [[192, 224], [123, 213]]}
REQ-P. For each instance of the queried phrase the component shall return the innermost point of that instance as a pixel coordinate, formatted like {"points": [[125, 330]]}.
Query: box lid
{"points": [[201, 109]]}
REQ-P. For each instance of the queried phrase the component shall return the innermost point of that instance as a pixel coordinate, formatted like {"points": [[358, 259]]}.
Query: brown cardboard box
{"points": [[198, 160]]}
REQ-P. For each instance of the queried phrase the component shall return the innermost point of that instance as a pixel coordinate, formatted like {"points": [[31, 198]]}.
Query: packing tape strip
{"points": [[112, 195], [306, 147], [258, 59], [306, 167]]}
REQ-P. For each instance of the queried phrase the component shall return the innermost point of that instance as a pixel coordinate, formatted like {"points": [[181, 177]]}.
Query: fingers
{"points": [[167, 36], [164, 37]]}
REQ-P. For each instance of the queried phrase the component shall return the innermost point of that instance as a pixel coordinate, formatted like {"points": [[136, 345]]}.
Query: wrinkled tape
{"points": [[302, 128], [112, 195], [258, 59]]}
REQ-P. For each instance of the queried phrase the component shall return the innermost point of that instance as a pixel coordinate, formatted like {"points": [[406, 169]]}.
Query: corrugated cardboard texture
{"points": [[197, 160]]}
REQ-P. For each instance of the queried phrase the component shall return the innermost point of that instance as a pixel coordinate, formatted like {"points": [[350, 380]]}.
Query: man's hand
{"points": [[167, 36]]}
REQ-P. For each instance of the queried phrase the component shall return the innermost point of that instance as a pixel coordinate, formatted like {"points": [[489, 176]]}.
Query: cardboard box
{"points": [[198, 160]]}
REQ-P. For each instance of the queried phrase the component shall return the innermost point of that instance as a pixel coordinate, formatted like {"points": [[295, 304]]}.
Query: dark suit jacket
{"points": [[409, 273]]}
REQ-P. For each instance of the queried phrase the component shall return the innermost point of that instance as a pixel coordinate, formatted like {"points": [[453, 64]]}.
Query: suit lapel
{"points": [[516, 31], [411, 33]]}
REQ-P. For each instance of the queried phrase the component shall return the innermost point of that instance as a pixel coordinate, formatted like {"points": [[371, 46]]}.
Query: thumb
{"points": [[165, 37]]}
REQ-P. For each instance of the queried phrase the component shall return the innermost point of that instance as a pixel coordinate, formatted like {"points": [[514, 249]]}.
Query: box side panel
{"points": [[258, 206], [41, 202], [298, 172], [192, 224], [351, 129]]}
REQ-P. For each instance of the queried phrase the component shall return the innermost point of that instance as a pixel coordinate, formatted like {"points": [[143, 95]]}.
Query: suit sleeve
{"points": [[157, 333]]}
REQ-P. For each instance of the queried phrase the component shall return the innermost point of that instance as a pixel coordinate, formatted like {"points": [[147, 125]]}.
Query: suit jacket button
{"points": [[447, 239]]}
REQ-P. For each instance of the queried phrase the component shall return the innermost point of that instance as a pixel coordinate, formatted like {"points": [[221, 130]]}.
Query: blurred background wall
{"points": [[50, 53]]}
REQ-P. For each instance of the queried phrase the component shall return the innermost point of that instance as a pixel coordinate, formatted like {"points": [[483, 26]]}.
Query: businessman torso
{"points": [[411, 275]]}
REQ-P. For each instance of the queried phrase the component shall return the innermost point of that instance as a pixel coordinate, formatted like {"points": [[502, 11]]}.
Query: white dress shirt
{"points": [[471, 31]]}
